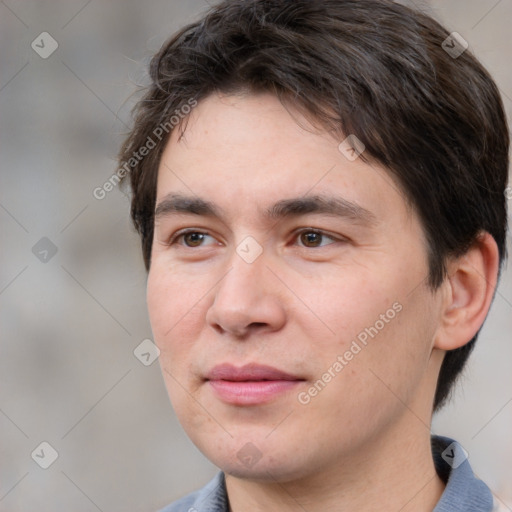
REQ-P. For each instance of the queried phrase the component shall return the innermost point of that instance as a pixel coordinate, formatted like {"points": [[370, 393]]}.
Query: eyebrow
{"points": [[293, 207]]}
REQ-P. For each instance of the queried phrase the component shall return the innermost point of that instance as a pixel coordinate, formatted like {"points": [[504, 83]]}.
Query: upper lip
{"points": [[248, 372]]}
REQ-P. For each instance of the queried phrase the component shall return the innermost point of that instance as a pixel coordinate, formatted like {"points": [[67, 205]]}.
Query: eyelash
{"points": [[180, 234]]}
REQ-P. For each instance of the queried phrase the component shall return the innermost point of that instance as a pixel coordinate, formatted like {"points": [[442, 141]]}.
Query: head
{"points": [[248, 119]]}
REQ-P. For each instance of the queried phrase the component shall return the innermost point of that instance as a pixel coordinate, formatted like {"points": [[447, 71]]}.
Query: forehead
{"points": [[243, 152]]}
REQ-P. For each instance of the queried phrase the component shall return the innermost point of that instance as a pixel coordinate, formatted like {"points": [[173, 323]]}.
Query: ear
{"points": [[469, 291]]}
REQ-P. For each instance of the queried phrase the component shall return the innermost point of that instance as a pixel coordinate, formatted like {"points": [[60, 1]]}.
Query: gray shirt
{"points": [[463, 492]]}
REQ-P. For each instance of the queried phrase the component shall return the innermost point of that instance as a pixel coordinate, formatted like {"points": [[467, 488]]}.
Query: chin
{"points": [[262, 473], [267, 465]]}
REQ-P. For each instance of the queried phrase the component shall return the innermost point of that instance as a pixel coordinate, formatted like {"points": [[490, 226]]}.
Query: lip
{"points": [[250, 384], [248, 372]]}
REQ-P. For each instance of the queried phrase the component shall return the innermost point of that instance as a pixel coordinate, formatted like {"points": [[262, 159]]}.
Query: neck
{"points": [[394, 472]]}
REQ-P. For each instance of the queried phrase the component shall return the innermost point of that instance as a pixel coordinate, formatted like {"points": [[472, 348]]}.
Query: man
{"points": [[319, 189]]}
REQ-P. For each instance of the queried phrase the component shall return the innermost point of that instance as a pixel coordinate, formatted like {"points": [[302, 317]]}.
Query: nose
{"points": [[247, 300]]}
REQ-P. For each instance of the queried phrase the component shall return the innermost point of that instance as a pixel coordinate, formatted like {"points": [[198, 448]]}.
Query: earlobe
{"points": [[469, 292]]}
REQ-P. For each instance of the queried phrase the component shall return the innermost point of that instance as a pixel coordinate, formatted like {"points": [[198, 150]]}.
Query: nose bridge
{"points": [[245, 279], [245, 295]]}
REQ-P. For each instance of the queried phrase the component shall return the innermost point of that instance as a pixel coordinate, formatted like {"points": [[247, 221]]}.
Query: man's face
{"points": [[297, 341]]}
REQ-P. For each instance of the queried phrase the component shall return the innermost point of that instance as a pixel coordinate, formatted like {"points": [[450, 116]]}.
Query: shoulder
{"points": [[211, 498]]}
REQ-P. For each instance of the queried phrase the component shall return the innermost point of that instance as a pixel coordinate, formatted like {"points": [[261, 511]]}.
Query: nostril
{"points": [[258, 324]]}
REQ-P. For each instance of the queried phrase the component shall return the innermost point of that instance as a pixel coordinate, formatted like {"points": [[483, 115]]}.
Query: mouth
{"points": [[251, 384]]}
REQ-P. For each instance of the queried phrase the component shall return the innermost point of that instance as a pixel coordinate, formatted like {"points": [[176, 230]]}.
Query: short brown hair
{"points": [[373, 68]]}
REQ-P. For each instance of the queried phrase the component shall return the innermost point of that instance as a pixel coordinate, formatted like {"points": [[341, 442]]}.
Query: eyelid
{"points": [[173, 239], [322, 232], [182, 232]]}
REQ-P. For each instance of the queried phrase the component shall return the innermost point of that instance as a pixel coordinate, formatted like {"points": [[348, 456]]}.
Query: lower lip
{"points": [[250, 392]]}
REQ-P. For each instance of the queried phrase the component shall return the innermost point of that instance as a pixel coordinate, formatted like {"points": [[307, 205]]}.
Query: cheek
{"points": [[160, 302], [373, 385], [173, 308], [338, 306], [382, 333], [395, 360], [173, 321]]}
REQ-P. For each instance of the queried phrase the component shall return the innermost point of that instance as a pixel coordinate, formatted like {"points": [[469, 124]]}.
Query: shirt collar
{"points": [[463, 492]]}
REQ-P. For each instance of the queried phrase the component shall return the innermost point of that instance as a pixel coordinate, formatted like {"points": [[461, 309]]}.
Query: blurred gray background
{"points": [[72, 283]]}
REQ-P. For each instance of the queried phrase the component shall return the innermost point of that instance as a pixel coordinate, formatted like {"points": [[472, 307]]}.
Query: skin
{"points": [[363, 441]]}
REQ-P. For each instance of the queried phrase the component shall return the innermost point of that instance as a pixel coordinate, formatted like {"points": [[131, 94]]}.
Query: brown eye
{"points": [[193, 239], [314, 239], [190, 239], [310, 238]]}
